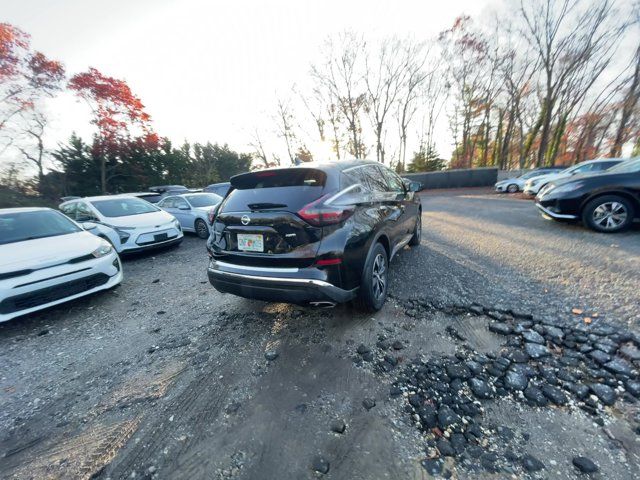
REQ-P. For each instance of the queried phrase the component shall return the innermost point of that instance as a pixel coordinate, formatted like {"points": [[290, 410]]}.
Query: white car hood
{"points": [[548, 176], [143, 220], [44, 252]]}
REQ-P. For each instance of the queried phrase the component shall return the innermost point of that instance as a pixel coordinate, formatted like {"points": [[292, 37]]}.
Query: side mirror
{"points": [[88, 225], [415, 186]]}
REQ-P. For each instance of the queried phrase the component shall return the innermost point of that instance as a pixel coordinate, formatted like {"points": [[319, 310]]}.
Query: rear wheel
{"points": [[417, 232], [374, 284], [608, 214], [512, 188], [201, 228]]}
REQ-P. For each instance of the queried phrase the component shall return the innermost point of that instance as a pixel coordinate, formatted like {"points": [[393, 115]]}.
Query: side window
{"points": [[69, 210], [167, 203], [394, 181], [180, 203], [584, 168], [84, 214], [374, 178], [604, 165]]}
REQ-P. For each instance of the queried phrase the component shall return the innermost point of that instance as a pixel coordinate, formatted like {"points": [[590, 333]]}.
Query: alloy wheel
{"points": [[201, 229], [610, 215], [379, 274]]}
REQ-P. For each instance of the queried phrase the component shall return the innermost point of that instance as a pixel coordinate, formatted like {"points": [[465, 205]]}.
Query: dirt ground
{"points": [[164, 377]]}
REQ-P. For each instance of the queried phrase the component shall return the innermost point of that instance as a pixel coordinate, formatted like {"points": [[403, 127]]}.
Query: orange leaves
{"points": [[577, 311], [12, 40], [116, 109], [45, 73]]}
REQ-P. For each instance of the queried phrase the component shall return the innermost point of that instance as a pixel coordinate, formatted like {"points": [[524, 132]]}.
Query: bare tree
{"points": [[629, 103], [574, 43], [285, 124], [341, 75], [386, 73], [411, 91], [33, 149], [259, 150]]}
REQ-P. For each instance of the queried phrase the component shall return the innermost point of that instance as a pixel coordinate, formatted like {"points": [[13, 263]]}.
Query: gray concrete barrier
{"points": [[471, 177]]}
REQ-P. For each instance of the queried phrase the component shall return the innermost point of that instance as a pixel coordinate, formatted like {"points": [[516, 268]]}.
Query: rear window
{"points": [[289, 177], [287, 189]]}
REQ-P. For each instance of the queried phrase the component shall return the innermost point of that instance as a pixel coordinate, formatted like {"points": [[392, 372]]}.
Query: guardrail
{"points": [[470, 177]]}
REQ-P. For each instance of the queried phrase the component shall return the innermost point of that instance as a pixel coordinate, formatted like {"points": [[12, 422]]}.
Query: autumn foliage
{"points": [[117, 111]]}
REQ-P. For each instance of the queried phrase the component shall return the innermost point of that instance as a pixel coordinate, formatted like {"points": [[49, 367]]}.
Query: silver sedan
{"points": [[191, 210]]}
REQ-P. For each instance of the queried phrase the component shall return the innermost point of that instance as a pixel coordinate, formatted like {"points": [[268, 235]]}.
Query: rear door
{"points": [[258, 224]]}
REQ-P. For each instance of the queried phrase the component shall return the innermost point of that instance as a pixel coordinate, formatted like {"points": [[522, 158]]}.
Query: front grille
{"points": [[51, 294]]}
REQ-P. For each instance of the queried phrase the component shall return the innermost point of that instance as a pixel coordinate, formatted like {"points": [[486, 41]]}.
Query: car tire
{"points": [[512, 188], [374, 282], [417, 231], [201, 228], [608, 214]]}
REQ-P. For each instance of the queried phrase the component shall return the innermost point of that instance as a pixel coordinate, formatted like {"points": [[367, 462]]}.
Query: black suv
{"points": [[316, 234]]}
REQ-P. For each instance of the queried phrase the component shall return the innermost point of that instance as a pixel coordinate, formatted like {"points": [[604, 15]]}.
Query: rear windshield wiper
{"points": [[265, 206]]}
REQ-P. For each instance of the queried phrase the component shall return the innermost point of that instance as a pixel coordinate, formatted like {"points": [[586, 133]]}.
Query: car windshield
{"points": [[203, 199], [630, 166], [123, 207], [21, 226], [535, 173]]}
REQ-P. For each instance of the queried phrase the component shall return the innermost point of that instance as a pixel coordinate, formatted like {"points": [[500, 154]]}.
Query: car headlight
{"points": [[176, 224], [569, 187], [533, 183], [105, 248]]}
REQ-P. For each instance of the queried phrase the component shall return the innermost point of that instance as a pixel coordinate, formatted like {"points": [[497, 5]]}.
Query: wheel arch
{"points": [[621, 193]]}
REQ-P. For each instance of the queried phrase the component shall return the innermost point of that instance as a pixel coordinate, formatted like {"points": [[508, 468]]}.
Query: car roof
{"points": [[598, 160], [24, 209], [102, 197]]}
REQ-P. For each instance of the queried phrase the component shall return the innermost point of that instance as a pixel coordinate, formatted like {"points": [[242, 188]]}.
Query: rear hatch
{"points": [[258, 223]]}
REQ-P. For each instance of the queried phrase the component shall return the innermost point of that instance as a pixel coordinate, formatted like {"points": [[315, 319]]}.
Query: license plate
{"points": [[160, 237], [250, 242]]}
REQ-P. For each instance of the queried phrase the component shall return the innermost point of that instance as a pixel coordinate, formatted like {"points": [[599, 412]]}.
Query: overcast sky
{"points": [[209, 70]]}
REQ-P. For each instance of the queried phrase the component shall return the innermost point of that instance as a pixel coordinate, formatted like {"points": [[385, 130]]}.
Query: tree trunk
{"points": [[630, 101]]}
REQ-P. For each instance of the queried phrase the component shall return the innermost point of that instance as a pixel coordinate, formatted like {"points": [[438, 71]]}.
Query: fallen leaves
{"points": [[577, 311]]}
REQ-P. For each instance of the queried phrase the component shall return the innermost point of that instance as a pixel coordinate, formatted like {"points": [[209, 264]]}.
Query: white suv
{"points": [[533, 185], [129, 223]]}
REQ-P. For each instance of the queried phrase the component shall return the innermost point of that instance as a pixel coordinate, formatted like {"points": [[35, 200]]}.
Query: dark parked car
{"points": [[606, 202], [218, 188], [316, 234]]}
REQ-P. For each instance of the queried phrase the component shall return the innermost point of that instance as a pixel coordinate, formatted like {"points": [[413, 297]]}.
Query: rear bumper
{"points": [[274, 286]]}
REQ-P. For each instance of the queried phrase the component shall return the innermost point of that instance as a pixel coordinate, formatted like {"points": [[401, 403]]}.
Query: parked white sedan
{"points": [[129, 223], [47, 259], [191, 210]]}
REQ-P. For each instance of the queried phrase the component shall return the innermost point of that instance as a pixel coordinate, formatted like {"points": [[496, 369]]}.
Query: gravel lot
{"points": [[476, 366]]}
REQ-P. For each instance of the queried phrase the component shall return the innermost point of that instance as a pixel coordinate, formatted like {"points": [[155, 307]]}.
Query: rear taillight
{"points": [[212, 214], [319, 215]]}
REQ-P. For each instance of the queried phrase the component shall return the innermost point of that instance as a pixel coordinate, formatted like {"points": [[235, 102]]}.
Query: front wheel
{"points": [[374, 283], [201, 228], [512, 188], [608, 214]]}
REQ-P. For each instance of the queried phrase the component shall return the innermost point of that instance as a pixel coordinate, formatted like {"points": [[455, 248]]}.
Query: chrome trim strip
{"points": [[555, 215], [342, 192], [299, 281], [257, 269]]}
